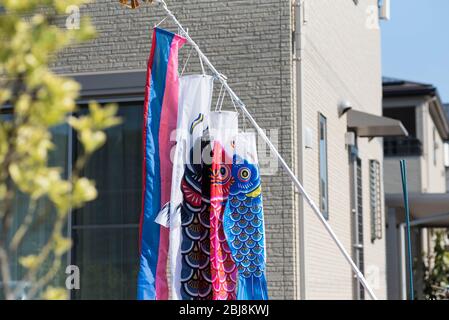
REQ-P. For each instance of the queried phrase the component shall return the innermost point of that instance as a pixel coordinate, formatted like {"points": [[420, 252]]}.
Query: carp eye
{"points": [[244, 174], [223, 171]]}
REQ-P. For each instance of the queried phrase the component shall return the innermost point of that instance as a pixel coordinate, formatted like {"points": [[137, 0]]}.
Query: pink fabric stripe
{"points": [[223, 269], [168, 123]]}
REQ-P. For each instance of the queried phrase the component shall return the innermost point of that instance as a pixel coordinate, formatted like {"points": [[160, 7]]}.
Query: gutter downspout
{"points": [[440, 119], [298, 47]]}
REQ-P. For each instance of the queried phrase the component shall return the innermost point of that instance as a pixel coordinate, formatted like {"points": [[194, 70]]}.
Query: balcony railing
{"points": [[402, 146]]}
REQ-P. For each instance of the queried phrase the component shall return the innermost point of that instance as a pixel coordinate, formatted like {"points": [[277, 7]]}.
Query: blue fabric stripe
{"points": [[146, 282]]}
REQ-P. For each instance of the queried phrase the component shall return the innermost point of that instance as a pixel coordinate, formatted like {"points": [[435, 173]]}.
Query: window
{"points": [[359, 248], [105, 231], [43, 212], [375, 200], [324, 197], [407, 115], [403, 146], [435, 146]]}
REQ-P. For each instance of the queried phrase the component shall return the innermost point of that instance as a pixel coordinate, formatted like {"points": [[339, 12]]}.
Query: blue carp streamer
{"points": [[244, 228]]}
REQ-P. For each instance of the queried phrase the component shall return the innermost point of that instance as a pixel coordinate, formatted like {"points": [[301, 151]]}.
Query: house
{"points": [[341, 69], [418, 106], [446, 151], [310, 73]]}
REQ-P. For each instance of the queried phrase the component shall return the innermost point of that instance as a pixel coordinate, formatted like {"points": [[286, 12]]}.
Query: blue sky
{"points": [[415, 43]]}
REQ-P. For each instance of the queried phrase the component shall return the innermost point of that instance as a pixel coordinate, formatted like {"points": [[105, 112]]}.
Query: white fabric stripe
{"points": [[224, 128], [195, 98]]}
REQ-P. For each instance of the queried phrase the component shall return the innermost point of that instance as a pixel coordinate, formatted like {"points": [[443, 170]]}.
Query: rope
{"points": [[202, 66], [160, 22], [185, 63], [238, 114], [187, 60], [219, 97]]}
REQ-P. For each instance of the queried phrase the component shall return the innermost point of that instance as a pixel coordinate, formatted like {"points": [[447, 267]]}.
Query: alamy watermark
{"points": [[72, 281], [201, 149], [372, 275], [73, 20], [372, 17]]}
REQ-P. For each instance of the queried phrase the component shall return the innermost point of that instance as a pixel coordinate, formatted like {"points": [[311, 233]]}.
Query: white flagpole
{"points": [[262, 134]]}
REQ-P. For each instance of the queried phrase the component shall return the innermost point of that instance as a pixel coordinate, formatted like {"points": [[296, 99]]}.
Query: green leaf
{"points": [[29, 262], [84, 191], [52, 293], [62, 245]]}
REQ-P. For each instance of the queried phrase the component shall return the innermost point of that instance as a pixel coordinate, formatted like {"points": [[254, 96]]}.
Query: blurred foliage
{"points": [[436, 277], [39, 100]]}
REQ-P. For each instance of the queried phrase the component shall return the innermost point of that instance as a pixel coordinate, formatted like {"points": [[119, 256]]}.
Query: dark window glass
{"points": [[324, 199], [42, 213], [404, 114], [105, 231], [116, 169], [403, 146], [107, 260]]}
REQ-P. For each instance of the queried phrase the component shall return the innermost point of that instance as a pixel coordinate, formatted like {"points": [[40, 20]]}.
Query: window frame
{"points": [[103, 87]]}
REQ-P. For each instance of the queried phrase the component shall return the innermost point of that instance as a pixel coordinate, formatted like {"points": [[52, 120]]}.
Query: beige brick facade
{"points": [[341, 62]]}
